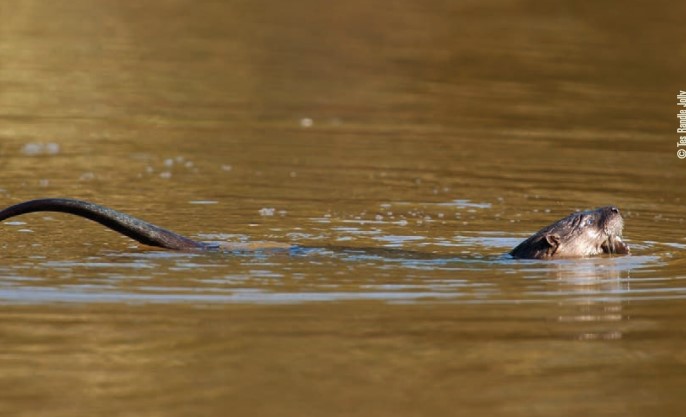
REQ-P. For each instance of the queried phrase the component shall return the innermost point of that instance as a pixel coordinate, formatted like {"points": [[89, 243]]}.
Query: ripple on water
{"points": [[404, 268]]}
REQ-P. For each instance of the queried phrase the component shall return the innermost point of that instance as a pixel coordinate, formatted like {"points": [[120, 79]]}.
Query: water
{"points": [[403, 147]]}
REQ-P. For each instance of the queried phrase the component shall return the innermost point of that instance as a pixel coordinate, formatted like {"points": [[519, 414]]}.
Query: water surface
{"points": [[405, 146]]}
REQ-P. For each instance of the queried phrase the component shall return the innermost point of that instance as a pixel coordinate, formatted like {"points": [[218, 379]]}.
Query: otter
{"points": [[580, 234]]}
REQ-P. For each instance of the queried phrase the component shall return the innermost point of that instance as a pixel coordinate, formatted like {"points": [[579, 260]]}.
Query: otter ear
{"points": [[553, 240]]}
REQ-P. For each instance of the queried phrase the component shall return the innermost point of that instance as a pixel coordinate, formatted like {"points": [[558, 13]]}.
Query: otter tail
{"points": [[132, 227]]}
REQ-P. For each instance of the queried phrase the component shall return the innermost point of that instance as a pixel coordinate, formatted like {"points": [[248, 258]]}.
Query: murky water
{"points": [[405, 147]]}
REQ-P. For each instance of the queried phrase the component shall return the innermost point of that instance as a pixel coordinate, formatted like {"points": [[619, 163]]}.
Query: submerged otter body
{"points": [[581, 234]]}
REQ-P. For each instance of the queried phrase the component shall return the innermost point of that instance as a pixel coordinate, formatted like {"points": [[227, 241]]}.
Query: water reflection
{"points": [[592, 293]]}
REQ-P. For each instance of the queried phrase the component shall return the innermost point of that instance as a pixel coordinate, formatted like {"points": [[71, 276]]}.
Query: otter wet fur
{"points": [[139, 230], [581, 234]]}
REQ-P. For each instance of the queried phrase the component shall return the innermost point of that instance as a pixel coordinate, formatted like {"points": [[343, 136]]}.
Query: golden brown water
{"points": [[408, 145]]}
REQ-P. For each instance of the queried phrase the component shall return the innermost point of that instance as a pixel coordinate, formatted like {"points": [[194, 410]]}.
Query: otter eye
{"points": [[589, 221]]}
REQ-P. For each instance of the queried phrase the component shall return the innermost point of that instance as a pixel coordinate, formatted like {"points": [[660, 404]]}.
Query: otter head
{"points": [[585, 233]]}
